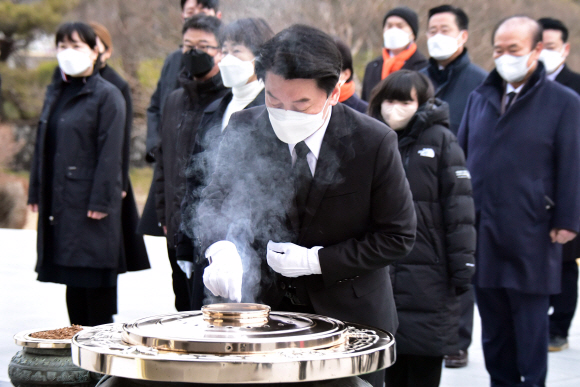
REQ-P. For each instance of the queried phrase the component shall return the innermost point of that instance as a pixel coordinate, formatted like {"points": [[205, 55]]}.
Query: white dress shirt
{"points": [[314, 142]]}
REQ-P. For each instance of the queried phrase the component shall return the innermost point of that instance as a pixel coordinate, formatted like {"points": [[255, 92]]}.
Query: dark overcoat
{"points": [[440, 266], [359, 208], [374, 70], [525, 168], [571, 79], [179, 124], [454, 84], [87, 176], [134, 251]]}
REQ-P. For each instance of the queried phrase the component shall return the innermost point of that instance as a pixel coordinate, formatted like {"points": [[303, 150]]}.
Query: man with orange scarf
{"points": [[400, 28], [348, 95]]}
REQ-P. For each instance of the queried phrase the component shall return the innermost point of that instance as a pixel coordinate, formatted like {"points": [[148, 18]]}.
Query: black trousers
{"points": [[414, 371], [91, 306], [565, 303], [514, 332], [466, 308], [181, 285]]}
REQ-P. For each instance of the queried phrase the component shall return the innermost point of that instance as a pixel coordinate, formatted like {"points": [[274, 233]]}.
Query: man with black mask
{"points": [[201, 84], [168, 82]]}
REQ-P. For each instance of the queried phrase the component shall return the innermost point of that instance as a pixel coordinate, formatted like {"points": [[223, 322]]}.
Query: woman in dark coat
{"points": [[76, 180], [441, 264], [240, 41], [134, 251]]}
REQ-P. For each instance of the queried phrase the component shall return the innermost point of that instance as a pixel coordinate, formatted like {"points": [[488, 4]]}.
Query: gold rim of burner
{"points": [[238, 314], [24, 339]]}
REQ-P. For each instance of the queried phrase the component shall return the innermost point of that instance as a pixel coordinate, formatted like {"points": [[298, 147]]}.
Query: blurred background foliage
{"points": [[145, 31]]}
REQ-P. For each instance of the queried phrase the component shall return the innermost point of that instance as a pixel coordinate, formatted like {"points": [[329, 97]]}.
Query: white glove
{"points": [[186, 267], [292, 260], [223, 276]]}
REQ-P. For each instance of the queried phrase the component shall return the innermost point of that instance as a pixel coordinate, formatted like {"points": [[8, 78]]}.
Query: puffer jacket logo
{"points": [[427, 152], [463, 174]]}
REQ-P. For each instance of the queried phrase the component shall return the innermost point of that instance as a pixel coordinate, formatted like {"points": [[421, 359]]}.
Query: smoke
{"points": [[248, 201], [249, 197]]}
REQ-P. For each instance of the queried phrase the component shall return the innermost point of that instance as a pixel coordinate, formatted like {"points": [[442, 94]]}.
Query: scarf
{"points": [[395, 63], [346, 91]]}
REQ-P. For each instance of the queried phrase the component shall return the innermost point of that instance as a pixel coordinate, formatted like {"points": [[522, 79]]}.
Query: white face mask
{"points": [[73, 62], [234, 71], [513, 68], [396, 38], [552, 59], [397, 115], [292, 127], [442, 47]]}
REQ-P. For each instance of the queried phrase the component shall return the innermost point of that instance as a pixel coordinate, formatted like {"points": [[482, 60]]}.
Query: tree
{"points": [[20, 20]]}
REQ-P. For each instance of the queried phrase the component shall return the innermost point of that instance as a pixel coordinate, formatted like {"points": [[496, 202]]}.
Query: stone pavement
{"points": [[28, 304]]}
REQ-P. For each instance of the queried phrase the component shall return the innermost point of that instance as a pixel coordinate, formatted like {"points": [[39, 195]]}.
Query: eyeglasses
{"points": [[201, 47]]}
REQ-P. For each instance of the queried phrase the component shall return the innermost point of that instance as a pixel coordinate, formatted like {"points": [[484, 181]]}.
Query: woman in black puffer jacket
{"points": [[440, 266]]}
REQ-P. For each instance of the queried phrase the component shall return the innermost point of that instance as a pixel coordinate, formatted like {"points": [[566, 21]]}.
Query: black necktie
{"points": [[511, 98], [302, 178]]}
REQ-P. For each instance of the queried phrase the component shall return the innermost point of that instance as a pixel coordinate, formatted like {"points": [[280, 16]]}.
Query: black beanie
{"points": [[408, 15]]}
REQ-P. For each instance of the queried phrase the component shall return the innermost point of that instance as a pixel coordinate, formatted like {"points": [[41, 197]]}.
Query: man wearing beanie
{"points": [[400, 28]]}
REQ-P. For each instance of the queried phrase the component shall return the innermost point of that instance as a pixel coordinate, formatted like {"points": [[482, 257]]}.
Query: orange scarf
{"points": [[346, 91], [395, 63]]}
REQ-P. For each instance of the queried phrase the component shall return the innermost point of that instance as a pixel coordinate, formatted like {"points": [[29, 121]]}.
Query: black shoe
{"points": [[557, 343], [459, 360]]}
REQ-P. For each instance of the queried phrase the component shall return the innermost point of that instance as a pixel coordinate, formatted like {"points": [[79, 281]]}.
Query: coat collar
{"points": [[493, 87]]}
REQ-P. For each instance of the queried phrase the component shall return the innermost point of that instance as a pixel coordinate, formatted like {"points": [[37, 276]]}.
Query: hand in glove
{"points": [[292, 260], [223, 276]]}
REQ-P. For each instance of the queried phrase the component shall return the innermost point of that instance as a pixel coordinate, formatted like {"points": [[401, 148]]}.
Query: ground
{"points": [[28, 304]]}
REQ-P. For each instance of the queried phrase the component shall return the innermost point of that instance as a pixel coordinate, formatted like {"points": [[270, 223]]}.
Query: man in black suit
{"points": [[309, 203], [554, 54]]}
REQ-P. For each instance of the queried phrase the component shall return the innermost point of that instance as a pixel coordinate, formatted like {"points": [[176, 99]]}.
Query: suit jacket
{"points": [[374, 70], [359, 209], [525, 168]]}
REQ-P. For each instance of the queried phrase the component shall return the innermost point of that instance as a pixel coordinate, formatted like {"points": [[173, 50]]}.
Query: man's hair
{"points": [[203, 22], [301, 52], [398, 87], [85, 32], [536, 28], [461, 18], [548, 23], [251, 33], [209, 4], [346, 57]]}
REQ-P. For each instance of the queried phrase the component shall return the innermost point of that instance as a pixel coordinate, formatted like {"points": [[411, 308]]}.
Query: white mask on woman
{"points": [[73, 62], [513, 68], [396, 38], [292, 127], [234, 71], [552, 59], [398, 114], [442, 47]]}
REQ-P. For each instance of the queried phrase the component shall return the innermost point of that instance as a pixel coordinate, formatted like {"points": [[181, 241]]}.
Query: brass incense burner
{"points": [[233, 343]]}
